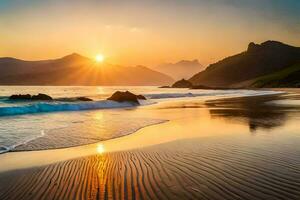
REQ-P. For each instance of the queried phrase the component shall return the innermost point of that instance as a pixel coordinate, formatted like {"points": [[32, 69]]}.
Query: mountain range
{"points": [[269, 64], [75, 69], [182, 69]]}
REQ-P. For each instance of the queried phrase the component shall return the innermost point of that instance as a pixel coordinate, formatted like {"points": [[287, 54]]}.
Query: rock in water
{"points": [[141, 97], [20, 97], [126, 96], [182, 84], [40, 96], [84, 99]]}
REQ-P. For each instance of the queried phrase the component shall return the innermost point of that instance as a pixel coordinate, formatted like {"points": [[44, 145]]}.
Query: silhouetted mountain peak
{"points": [[268, 45], [75, 69], [257, 60], [253, 47], [188, 62], [73, 56], [181, 69], [273, 43]]}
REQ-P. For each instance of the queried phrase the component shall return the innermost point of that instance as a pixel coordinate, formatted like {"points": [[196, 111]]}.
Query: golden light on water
{"points": [[99, 58], [100, 148], [98, 116]]}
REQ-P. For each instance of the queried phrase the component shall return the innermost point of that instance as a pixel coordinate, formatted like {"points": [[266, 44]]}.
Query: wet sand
{"points": [[241, 148]]}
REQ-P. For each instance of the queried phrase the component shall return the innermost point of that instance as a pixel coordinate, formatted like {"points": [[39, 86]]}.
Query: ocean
{"points": [[66, 122]]}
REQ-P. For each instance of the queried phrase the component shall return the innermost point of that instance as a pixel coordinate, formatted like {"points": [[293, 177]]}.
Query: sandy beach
{"points": [[236, 148], [150, 100]]}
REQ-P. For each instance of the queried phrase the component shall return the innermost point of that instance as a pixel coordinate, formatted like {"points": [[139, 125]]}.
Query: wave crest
{"points": [[40, 107]]}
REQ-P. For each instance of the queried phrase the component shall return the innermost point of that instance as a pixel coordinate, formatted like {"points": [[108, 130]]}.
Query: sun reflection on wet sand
{"points": [[100, 149], [98, 116]]}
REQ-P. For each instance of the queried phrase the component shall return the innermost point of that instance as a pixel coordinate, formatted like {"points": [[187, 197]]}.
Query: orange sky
{"points": [[143, 32]]}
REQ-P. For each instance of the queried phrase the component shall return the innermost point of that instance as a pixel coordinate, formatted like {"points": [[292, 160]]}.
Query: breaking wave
{"points": [[40, 107]]}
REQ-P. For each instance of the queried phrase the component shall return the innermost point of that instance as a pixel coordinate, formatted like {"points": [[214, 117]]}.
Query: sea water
{"points": [[66, 122]]}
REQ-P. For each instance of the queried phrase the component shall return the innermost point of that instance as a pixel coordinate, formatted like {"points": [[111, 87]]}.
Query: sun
{"points": [[99, 58]]}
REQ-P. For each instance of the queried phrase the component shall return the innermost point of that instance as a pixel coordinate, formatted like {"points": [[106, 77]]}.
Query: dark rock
{"points": [[20, 97], [84, 99], [182, 84], [125, 96], [40, 96], [141, 97]]}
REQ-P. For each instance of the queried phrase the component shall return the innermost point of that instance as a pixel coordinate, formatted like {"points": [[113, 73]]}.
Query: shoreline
{"points": [[59, 148], [88, 149], [26, 146]]}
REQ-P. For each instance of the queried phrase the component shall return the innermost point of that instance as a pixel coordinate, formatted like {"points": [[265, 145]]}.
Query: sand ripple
{"points": [[186, 170]]}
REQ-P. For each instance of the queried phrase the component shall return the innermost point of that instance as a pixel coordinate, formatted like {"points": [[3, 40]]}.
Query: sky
{"points": [[144, 32]]}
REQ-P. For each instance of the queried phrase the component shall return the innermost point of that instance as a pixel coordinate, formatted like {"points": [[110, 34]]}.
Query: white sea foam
{"points": [[198, 93], [4, 149], [286, 102]]}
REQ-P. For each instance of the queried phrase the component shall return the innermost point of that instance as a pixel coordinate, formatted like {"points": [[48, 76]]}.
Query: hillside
{"points": [[288, 77], [75, 69], [182, 69], [259, 60]]}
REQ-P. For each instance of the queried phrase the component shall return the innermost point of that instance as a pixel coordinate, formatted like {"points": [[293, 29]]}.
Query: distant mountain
{"points": [[244, 68], [182, 69], [75, 69]]}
